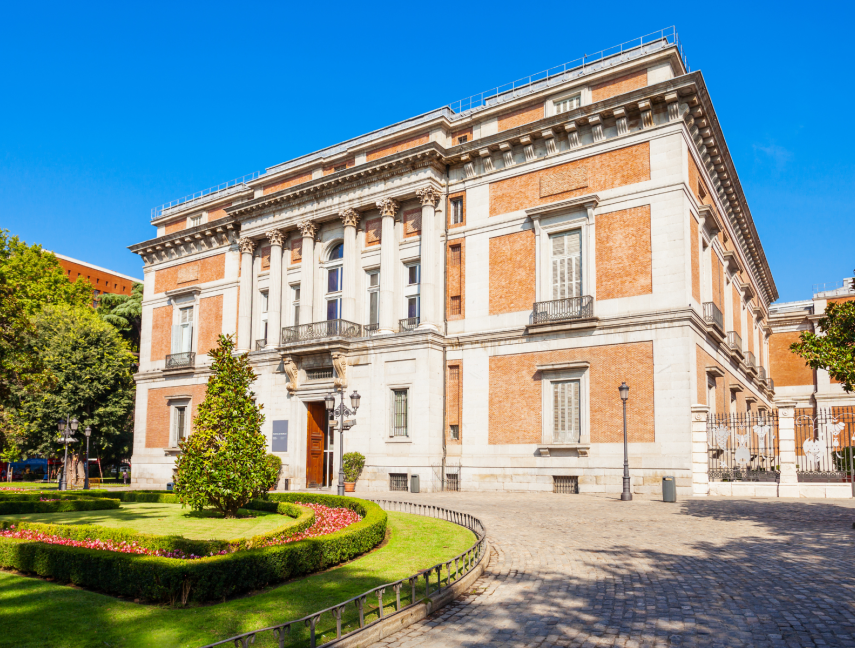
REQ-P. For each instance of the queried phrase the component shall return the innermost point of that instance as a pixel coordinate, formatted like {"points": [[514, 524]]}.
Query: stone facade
{"points": [[591, 245]]}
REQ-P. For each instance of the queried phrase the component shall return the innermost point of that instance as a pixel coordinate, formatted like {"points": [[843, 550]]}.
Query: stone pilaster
{"points": [[788, 483], [429, 240], [244, 337], [309, 230], [700, 451], [350, 219], [388, 208]]}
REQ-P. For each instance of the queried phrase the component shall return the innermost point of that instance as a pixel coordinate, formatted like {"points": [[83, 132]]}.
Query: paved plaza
{"points": [[582, 570]]}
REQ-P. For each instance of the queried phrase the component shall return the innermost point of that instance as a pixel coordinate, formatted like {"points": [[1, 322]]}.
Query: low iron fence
{"points": [[374, 605], [824, 444], [743, 447]]}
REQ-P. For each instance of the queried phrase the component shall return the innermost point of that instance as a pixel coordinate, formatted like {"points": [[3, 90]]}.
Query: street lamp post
{"points": [[626, 495], [66, 429], [341, 411], [87, 432]]}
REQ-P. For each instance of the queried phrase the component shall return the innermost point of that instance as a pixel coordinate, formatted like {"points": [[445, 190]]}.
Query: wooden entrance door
{"points": [[316, 424]]}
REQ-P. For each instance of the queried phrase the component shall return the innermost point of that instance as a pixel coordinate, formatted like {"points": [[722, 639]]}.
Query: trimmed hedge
{"points": [[34, 496], [206, 579], [60, 506]]}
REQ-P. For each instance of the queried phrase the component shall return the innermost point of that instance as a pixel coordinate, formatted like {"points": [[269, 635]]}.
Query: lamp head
{"points": [[624, 391], [354, 400], [329, 399], [61, 426], [73, 424], [87, 431]]}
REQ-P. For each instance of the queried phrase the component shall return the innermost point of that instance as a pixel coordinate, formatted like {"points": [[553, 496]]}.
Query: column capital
{"points": [[246, 245], [429, 196], [308, 228], [387, 207], [276, 237], [350, 217]]}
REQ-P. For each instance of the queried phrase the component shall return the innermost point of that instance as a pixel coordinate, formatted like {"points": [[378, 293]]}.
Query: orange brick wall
{"points": [[195, 272], [161, 332], [722, 384], [785, 367], [397, 147], [455, 137], [718, 282], [612, 87], [696, 183], [520, 117], [454, 399], [838, 300], [412, 222], [106, 282], [456, 272], [210, 323], [696, 259], [737, 310], [285, 183], [596, 173], [331, 169], [296, 250], [624, 255], [265, 257], [373, 229], [176, 226], [512, 272], [515, 393], [158, 414], [219, 212]]}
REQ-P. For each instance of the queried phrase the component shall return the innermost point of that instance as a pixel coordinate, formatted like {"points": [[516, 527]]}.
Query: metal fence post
{"points": [[700, 451], [788, 485]]}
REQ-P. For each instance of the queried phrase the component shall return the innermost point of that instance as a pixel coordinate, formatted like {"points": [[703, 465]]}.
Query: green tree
{"points": [[833, 349], [125, 313], [92, 370], [223, 463]]}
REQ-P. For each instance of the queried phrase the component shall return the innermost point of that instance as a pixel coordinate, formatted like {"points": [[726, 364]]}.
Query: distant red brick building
{"points": [[101, 279]]}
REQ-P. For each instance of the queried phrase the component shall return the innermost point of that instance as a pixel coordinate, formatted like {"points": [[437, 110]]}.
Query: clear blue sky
{"points": [[111, 109]]}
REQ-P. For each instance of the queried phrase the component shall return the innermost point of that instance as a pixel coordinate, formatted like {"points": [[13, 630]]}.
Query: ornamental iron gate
{"points": [[824, 444], [743, 447]]}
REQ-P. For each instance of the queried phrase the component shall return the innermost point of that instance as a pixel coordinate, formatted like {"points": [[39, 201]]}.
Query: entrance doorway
{"points": [[316, 433]]}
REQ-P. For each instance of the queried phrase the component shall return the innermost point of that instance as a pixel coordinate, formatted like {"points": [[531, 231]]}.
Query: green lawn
{"points": [[37, 613], [166, 519]]}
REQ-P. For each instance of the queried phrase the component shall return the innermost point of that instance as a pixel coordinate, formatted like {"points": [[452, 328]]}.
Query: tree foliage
{"points": [[223, 463], [124, 312], [92, 380], [833, 348]]}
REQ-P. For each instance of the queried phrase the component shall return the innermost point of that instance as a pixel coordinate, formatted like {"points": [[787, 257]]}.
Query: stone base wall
{"points": [[761, 489]]}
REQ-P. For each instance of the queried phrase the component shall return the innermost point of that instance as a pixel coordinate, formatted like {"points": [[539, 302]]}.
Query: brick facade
{"points": [[373, 231], [287, 183], [412, 222], [158, 412], [194, 272], [210, 323], [455, 293], [457, 136], [512, 272], [696, 258], [613, 87], [462, 196], [454, 400], [786, 368], [161, 332], [296, 250], [604, 171], [520, 117], [737, 310], [624, 256], [515, 393], [397, 147]]}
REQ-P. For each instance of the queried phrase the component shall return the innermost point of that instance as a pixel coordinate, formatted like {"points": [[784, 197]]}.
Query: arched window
{"points": [[337, 252], [334, 281]]}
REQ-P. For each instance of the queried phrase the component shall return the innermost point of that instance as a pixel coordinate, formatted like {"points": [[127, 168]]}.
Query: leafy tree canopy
{"points": [[125, 313], [833, 349], [223, 463], [92, 370]]}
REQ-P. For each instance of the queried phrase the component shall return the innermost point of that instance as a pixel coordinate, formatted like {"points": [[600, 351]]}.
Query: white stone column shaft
{"points": [[274, 294], [350, 267], [700, 451], [387, 208], [244, 336], [429, 244], [307, 272]]}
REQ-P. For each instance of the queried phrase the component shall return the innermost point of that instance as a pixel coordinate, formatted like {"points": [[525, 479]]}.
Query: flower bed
{"points": [[261, 562]]}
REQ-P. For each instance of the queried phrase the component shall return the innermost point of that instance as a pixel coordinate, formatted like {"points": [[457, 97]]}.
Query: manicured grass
{"points": [[166, 519], [37, 613]]}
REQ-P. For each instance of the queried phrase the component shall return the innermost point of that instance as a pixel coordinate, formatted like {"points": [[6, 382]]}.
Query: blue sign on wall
{"points": [[280, 436]]}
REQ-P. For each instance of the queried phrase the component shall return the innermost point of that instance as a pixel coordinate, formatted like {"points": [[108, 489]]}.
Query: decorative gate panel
{"points": [[824, 445], [743, 447]]}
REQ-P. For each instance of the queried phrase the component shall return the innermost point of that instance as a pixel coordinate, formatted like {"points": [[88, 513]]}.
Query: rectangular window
{"points": [[333, 280], [373, 298], [454, 432], [454, 305], [456, 211], [319, 374], [399, 413], [566, 419], [195, 220], [413, 274], [463, 139], [411, 290], [413, 306], [333, 309], [566, 249], [182, 333], [340, 167], [295, 302], [180, 418], [567, 104], [263, 317], [398, 482]]}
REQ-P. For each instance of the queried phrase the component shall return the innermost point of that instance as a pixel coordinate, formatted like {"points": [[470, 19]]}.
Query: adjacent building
{"points": [[101, 279], [486, 275]]}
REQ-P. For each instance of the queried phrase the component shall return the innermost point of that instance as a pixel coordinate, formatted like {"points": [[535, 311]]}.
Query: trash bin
{"points": [[669, 489], [414, 483], [169, 486]]}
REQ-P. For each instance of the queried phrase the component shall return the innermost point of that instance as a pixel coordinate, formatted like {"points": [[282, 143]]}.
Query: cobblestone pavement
{"points": [[580, 570]]}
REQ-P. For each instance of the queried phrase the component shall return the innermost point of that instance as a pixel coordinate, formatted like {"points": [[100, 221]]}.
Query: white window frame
{"points": [[372, 291], [329, 266], [412, 291], [174, 404], [456, 215], [177, 343], [295, 304], [558, 102], [263, 307], [391, 409], [563, 372], [195, 221]]}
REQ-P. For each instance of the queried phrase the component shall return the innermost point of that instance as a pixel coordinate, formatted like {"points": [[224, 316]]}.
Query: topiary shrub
{"points": [[354, 462]]}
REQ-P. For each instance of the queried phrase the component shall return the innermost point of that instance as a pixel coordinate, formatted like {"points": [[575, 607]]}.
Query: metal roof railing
{"points": [[224, 188], [579, 67]]}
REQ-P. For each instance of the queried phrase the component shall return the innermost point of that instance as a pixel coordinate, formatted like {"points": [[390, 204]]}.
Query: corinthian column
{"points": [[387, 208], [274, 295], [350, 218], [427, 290], [244, 337], [307, 272]]}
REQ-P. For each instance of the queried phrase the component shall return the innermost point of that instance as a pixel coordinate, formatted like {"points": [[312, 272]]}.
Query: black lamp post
{"points": [[87, 432], [626, 495], [66, 429], [341, 411]]}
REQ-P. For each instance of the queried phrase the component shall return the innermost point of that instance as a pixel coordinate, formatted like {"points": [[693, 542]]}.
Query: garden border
{"points": [[402, 617]]}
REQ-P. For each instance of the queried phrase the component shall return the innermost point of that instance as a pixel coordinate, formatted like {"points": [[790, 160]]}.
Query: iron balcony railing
{"points": [[222, 189], [371, 329], [321, 330], [750, 361], [734, 341], [712, 315], [260, 344], [761, 373], [559, 310], [408, 324], [180, 360]]}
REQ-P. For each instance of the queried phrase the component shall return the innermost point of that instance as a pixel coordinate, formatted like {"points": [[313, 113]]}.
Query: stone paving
{"points": [[583, 570]]}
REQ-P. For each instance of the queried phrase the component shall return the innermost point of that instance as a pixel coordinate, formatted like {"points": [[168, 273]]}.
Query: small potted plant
{"points": [[354, 462]]}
